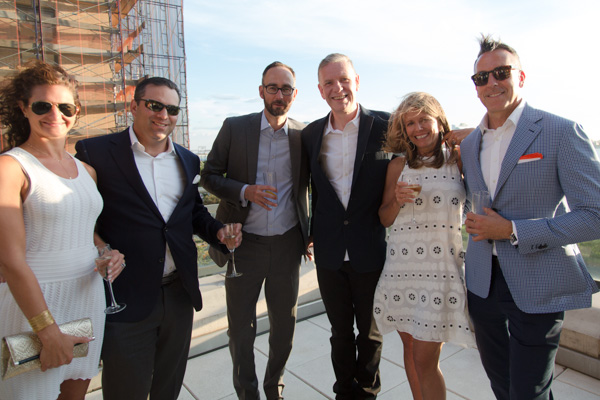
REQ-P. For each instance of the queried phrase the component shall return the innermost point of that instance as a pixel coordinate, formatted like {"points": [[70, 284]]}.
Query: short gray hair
{"points": [[333, 58]]}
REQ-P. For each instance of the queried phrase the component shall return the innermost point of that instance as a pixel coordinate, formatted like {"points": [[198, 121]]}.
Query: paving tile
{"points": [[392, 375], [580, 380], [322, 321], [185, 395], [319, 373], [562, 390], [209, 376], [464, 375]]}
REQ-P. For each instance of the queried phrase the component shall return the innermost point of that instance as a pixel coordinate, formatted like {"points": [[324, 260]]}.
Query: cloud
{"points": [[396, 47]]}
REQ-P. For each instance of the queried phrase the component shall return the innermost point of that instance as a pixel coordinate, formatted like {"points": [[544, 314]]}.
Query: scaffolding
{"points": [[108, 45]]}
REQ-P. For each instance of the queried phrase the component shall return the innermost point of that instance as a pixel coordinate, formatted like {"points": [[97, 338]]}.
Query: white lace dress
{"points": [[60, 215], [421, 290]]}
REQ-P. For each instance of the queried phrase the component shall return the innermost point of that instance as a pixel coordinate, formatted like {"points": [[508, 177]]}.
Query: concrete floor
{"points": [[309, 374]]}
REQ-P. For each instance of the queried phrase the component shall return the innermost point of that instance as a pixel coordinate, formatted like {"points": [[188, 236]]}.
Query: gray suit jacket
{"points": [[545, 272], [232, 163]]}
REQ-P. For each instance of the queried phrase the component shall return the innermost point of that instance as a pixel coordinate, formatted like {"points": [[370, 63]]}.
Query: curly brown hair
{"points": [[19, 87], [397, 140]]}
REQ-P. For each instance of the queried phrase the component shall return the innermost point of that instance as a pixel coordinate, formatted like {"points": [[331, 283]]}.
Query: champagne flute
{"points": [[414, 183], [229, 230], [102, 261]]}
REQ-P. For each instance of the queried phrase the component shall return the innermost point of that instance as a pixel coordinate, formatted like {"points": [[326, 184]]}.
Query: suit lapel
{"points": [[364, 131], [316, 168], [252, 138], [295, 142], [123, 155], [477, 151], [525, 133], [190, 173]]}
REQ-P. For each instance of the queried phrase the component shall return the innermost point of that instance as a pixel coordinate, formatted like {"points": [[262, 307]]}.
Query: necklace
{"points": [[55, 159]]}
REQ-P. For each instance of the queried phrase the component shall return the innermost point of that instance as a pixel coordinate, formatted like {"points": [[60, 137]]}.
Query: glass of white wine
{"points": [[414, 183], [229, 230], [104, 256]]}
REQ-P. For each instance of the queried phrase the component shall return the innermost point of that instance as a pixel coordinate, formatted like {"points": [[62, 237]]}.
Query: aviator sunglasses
{"points": [[157, 106], [44, 107], [500, 74]]}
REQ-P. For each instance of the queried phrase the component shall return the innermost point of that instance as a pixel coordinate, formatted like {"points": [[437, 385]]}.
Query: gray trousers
{"points": [[274, 260]]}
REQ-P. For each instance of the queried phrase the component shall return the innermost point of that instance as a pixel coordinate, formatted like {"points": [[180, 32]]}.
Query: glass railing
{"points": [[589, 250]]}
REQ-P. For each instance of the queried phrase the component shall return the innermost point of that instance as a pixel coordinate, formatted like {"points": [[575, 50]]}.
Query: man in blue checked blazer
{"points": [[523, 267]]}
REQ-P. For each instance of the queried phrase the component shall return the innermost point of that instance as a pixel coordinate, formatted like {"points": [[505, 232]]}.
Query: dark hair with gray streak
{"points": [[487, 43]]}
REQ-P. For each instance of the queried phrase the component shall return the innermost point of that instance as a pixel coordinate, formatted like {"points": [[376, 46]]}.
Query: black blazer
{"points": [[131, 223], [356, 229]]}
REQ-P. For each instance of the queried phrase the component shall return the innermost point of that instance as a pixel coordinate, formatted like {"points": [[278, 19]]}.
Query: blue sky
{"points": [[396, 46]]}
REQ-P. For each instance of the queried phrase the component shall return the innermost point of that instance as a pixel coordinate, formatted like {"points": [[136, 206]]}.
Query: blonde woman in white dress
{"points": [[48, 208], [421, 292]]}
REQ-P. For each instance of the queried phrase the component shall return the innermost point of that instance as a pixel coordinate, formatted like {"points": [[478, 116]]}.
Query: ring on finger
{"points": [[123, 265]]}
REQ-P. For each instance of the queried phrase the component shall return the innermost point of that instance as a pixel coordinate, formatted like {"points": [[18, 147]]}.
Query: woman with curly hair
{"points": [[421, 293], [48, 208]]}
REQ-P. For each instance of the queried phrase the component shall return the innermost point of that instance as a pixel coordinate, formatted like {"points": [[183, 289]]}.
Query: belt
{"points": [[168, 279]]}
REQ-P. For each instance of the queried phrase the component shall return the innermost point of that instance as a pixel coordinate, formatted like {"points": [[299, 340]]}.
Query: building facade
{"points": [[108, 45]]}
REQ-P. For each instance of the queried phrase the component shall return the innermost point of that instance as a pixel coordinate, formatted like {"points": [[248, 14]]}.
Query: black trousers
{"points": [[517, 349], [348, 295], [149, 356]]}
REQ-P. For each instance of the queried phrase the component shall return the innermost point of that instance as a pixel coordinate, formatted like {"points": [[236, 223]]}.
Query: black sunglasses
{"points": [[500, 74], [44, 107], [157, 106]]}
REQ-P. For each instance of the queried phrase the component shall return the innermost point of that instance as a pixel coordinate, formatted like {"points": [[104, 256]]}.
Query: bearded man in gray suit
{"points": [[275, 220]]}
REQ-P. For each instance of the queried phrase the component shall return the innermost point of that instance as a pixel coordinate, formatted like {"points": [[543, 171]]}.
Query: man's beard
{"points": [[276, 112]]}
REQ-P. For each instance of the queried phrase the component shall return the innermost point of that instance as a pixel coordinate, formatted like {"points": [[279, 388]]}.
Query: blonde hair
{"points": [[397, 140]]}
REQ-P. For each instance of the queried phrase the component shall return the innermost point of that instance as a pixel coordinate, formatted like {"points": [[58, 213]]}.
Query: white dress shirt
{"points": [[164, 179], [494, 144], [338, 153]]}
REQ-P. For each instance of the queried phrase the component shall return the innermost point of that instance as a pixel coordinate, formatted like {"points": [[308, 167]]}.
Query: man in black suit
{"points": [[348, 173], [275, 226], [152, 208]]}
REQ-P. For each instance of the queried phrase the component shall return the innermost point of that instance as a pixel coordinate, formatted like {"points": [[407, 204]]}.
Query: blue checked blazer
{"points": [[545, 272]]}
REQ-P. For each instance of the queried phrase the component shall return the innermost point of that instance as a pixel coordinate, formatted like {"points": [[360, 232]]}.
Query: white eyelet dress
{"points": [[421, 290]]}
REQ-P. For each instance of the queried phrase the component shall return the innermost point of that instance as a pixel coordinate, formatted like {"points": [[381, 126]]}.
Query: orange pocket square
{"points": [[530, 157]]}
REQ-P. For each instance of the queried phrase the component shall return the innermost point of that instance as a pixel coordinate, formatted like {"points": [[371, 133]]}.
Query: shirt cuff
{"points": [[243, 201]]}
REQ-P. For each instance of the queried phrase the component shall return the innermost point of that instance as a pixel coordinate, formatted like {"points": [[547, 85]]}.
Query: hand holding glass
{"points": [[270, 179], [481, 199], [414, 183], [229, 231], [104, 257]]}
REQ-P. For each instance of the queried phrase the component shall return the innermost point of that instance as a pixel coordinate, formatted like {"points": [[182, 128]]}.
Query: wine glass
{"points": [[270, 179], [481, 199], [414, 183], [102, 260], [229, 230]]}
